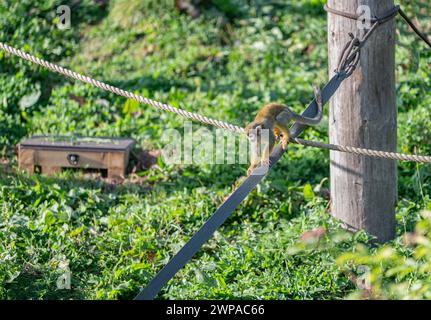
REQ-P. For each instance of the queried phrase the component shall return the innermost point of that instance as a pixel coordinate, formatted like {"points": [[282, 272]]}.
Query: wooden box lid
{"points": [[106, 144]]}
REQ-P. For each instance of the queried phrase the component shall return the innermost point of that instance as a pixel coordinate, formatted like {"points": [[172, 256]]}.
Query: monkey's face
{"points": [[254, 134], [260, 135], [254, 130]]}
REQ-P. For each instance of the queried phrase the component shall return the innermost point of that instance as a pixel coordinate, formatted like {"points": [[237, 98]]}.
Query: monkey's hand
{"points": [[285, 138], [284, 143], [266, 162], [282, 130], [277, 134]]}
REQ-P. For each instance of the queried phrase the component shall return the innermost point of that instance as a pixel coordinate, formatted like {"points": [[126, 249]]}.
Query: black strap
{"points": [[226, 209]]}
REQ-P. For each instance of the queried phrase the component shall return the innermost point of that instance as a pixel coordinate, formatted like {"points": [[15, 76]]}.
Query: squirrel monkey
{"points": [[275, 118]]}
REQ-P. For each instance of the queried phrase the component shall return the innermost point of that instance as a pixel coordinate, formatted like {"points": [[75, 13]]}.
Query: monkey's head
{"points": [[254, 130]]}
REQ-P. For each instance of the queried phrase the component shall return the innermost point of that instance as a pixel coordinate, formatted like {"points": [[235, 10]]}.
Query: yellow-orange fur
{"points": [[266, 118], [276, 118]]}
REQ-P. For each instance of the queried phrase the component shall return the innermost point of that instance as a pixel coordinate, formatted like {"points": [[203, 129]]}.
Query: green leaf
{"points": [[308, 192], [29, 100], [131, 106], [48, 218]]}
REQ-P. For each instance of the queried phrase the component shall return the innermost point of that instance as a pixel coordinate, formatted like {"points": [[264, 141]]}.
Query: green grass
{"points": [[224, 65]]}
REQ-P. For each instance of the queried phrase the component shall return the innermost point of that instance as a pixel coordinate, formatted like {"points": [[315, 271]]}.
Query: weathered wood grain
{"points": [[363, 114]]}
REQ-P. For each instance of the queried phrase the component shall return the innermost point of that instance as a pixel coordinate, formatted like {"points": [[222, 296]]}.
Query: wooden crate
{"points": [[52, 154]]}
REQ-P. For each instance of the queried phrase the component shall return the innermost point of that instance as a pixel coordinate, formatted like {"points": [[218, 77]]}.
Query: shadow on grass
{"points": [[35, 286]]}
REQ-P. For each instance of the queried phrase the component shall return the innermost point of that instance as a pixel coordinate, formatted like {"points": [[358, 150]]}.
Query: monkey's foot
{"points": [[284, 144], [250, 170], [266, 162]]}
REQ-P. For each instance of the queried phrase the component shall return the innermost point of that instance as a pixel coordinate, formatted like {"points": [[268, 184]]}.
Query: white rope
{"points": [[364, 152], [203, 119], [121, 92]]}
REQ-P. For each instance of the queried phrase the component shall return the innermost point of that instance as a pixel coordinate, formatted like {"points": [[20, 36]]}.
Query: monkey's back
{"points": [[271, 110]]}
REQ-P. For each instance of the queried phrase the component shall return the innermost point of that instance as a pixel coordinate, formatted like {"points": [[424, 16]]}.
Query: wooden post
{"points": [[363, 114]]}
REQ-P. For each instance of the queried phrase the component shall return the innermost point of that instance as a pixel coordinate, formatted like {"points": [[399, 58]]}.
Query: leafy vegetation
{"points": [[224, 64]]}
